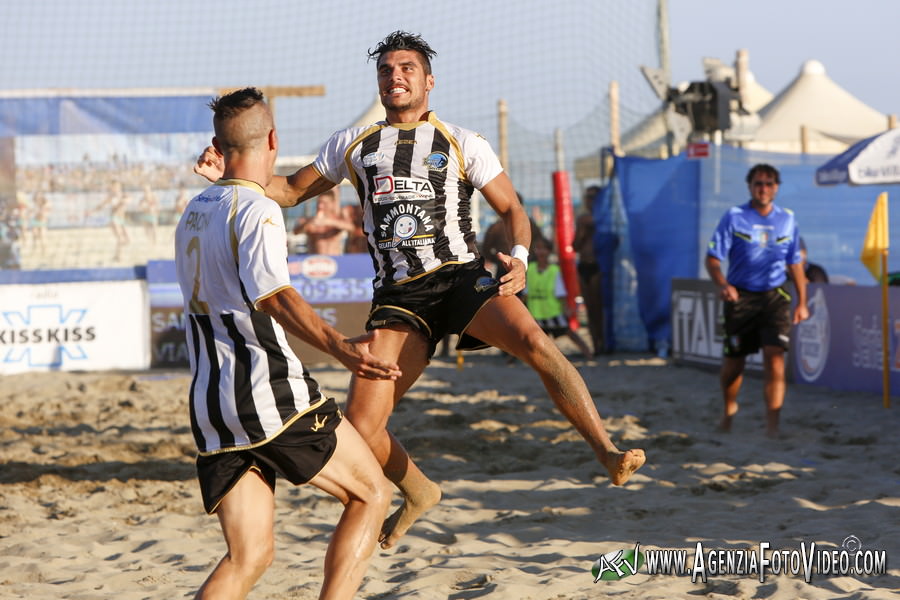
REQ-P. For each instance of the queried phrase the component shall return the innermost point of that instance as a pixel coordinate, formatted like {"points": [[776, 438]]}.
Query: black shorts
{"points": [[298, 454], [554, 326], [757, 319], [442, 302]]}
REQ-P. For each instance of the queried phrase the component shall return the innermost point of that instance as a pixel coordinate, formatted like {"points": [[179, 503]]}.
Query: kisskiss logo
{"points": [[44, 335]]}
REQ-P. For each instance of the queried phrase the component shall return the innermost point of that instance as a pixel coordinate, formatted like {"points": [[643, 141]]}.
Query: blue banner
{"points": [[61, 115], [319, 279], [840, 345]]}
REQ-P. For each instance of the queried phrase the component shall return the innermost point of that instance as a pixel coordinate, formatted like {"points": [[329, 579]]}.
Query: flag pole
{"points": [[885, 349], [874, 256]]}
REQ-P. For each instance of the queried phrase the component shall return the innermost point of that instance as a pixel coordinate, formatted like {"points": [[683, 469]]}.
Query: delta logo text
{"points": [[806, 561]]}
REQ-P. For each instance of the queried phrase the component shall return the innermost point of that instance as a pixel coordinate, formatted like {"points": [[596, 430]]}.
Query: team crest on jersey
{"points": [[436, 161], [762, 237], [371, 158]]}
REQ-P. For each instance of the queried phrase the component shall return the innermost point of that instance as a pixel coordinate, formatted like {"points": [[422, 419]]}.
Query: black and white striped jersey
{"points": [[415, 183], [230, 253]]}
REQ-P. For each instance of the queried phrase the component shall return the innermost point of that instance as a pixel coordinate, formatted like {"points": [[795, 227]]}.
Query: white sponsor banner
{"points": [[697, 325], [74, 326]]}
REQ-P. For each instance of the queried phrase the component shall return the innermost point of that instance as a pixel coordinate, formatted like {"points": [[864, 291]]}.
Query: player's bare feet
{"points": [[727, 418], [415, 503], [622, 464]]}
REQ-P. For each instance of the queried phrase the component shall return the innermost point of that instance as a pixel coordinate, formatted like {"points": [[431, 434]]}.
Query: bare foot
{"points": [[622, 464], [414, 506], [727, 417]]}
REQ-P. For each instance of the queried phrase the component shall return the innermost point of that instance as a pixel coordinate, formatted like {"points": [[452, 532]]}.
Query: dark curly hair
{"points": [[764, 169], [402, 40]]}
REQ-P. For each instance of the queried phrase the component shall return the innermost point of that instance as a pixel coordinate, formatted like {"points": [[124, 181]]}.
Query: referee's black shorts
{"points": [[757, 319]]}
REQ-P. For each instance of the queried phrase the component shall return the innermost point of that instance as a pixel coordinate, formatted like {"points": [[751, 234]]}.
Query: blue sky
{"points": [[551, 61], [856, 41]]}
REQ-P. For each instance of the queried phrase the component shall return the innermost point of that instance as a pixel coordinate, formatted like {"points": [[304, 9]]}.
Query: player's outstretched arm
{"points": [[298, 318], [287, 191]]}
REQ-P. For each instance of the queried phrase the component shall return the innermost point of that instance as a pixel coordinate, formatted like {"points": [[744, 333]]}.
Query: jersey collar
{"points": [[242, 182]]}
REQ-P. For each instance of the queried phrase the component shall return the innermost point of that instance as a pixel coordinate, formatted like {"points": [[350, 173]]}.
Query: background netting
{"points": [[67, 166]]}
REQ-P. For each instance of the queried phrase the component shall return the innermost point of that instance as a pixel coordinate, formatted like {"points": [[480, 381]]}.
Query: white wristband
{"points": [[521, 252]]}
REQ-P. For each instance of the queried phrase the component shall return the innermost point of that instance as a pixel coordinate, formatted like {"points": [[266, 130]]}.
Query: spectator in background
{"points": [[496, 240], [589, 276], [356, 239], [19, 214], [545, 296], [39, 222], [150, 216], [10, 236], [117, 203], [326, 230], [814, 273], [181, 201]]}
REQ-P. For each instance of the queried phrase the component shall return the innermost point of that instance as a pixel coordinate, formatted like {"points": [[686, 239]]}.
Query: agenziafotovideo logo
{"points": [[850, 559], [618, 564]]}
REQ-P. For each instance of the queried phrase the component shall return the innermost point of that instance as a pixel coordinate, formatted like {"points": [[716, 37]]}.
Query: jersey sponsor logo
{"points": [[405, 225], [372, 158], [269, 221], [395, 189], [436, 161]]}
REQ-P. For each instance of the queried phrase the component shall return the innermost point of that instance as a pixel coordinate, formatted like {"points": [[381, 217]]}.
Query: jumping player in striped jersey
{"points": [[255, 410], [415, 175]]}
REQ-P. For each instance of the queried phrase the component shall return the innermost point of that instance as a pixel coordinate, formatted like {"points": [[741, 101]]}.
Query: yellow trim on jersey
{"points": [[287, 424], [354, 180], [439, 125], [269, 295], [232, 227], [242, 182], [438, 268]]}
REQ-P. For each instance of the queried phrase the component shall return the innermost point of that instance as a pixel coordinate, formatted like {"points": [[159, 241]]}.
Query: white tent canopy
{"points": [[834, 118], [648, 137]]}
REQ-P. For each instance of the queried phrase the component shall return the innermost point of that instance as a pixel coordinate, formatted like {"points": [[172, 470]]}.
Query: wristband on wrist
{"points": [[521, 252]]}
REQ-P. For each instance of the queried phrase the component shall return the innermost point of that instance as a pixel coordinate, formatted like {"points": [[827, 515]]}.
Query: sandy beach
{"points": [[98, 497]]}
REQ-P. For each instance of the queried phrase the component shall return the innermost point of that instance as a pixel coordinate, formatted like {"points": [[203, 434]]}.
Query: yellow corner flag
{"points": [[876, 241]]}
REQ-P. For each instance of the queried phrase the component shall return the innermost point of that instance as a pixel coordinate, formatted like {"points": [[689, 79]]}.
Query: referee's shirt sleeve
{"points": [[720, 243]]}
